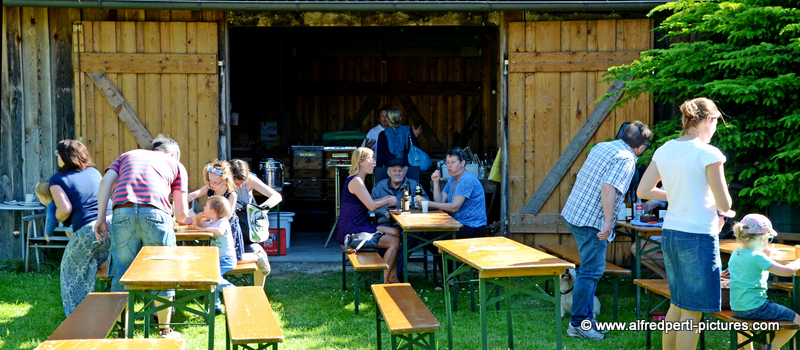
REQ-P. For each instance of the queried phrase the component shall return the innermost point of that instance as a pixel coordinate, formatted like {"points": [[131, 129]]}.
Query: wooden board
{"points": [[154, 63], [403, 310], [113, 344], [94, 317], [245, 326]]}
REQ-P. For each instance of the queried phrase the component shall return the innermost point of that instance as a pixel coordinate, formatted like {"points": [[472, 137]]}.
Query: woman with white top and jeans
{"points": [[692, 172]]}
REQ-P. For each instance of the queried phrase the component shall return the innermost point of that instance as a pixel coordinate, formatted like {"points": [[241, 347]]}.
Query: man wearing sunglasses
{"points": [[143, 181]]}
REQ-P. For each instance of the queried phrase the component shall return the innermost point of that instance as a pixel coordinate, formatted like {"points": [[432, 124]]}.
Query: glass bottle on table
{"points": [[417, 194], [406, 199], [628, 207]]}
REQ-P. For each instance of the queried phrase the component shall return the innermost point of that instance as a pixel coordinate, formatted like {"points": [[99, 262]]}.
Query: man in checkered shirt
{"points": [[591, 211]]}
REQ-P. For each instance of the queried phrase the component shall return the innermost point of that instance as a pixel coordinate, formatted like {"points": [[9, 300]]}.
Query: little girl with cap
{"points": [[749, 267]]}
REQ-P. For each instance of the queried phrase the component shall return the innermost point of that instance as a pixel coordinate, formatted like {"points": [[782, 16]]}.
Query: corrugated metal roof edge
{"points": [[338, 6]]}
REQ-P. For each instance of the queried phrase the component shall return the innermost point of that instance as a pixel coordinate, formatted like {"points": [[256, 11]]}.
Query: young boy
{"points": [[216, 213]]}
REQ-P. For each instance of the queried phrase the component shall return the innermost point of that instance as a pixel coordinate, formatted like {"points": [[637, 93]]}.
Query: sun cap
{"points": [[757, 224]]}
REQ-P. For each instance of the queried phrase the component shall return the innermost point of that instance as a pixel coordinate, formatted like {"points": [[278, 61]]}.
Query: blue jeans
{"points": [[131, 229], [50, 221], [592, 252], [693, 267], [225, 265]]}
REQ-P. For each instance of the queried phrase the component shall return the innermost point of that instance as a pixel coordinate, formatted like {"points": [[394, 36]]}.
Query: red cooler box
{"points": [[270, 245]]}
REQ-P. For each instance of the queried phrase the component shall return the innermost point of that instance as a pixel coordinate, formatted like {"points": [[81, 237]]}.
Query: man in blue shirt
{"points": [[590, 214], [462, 197]]}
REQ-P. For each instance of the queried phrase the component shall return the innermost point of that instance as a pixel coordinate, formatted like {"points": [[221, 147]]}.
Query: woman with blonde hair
{"points": [[219, 181], [357, 202], [694, 184], [393, 142]]}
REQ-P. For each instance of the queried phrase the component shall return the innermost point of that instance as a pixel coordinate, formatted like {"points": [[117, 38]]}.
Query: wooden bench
{"points": [[246, 274], [250, 319], [661, 287], [406, 316], [113, 344], [612, 272], [94, 318], [368, 263]]}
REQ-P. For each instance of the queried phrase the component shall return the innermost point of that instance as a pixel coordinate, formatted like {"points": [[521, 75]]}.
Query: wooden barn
{"points": [[251, 79]]}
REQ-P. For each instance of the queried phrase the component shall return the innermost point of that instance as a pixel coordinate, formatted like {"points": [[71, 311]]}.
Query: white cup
{"points": [[30, 197], [424, 206], [662, 214]]}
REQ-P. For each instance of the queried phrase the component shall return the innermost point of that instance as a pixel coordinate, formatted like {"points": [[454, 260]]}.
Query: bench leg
{"points": [[413, 341], [344, 272], [356, 287]]}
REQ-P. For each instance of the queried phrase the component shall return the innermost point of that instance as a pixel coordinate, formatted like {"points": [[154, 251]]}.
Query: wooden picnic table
{"points": [[194, 269], [416, 222], [640, 234], [497, 259], [113, 344], [189, 233]]}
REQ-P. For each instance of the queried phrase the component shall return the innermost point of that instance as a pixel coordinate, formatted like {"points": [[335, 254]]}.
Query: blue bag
{"points": [[418, 157]]}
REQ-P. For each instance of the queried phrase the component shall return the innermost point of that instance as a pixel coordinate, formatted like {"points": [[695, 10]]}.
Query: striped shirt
{"points": [[608, 162], [148, 177]]}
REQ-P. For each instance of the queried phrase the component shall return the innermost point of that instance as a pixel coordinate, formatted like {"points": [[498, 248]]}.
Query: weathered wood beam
{"points": [[416, 116], [391, 89], [573, 150], [470, 126], [539, 223], [155, 63], [575, 61], [122, 108], [369, 104]]}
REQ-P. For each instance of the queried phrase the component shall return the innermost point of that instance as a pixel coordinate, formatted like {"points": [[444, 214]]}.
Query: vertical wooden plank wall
{"points": [[183, 106], [546, 109], [446, 115]]}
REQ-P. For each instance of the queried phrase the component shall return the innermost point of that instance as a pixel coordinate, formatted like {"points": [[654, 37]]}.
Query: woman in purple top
{"points": [[74, 191], [355, 205]]}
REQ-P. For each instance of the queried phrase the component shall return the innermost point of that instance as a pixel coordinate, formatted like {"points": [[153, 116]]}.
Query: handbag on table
{"points": [[362, 242]]}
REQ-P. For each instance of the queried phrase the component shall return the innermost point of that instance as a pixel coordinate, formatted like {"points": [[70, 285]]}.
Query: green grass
{"points": [[316, 314]]}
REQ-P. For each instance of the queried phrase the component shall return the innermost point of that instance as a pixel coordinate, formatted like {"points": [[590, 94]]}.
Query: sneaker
{"points": [[168, 333], [217, 311], [594, 324], [577, 332]]}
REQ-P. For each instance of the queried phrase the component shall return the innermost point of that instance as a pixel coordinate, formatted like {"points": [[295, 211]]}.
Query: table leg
{"points": [[484, 318], [210, 316], [557, 311], [447, 305], [336, 189], [508, 315], [132, 295], [638, 270]]}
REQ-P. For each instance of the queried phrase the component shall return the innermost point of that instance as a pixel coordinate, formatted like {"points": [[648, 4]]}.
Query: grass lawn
{"points": [[316, 314]]}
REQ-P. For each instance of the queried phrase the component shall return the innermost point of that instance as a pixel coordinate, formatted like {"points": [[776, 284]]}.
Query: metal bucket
{"points": [[271, 172]]}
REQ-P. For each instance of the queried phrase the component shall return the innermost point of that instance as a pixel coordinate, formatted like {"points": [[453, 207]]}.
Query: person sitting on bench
{"points": [[750, 267]]}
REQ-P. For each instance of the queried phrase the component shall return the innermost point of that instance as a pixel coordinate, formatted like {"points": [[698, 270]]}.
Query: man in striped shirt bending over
{"points": [[144, 180]]}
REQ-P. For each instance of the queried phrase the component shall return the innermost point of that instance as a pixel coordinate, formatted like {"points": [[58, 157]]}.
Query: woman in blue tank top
{"points": [[355, 206]]}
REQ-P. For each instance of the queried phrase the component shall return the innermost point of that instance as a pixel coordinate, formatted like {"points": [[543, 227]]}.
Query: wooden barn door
{"points": [[164, 74], [554, 80]]}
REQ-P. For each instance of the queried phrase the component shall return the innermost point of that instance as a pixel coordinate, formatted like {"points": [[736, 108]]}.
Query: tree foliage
{"points": [[746, 58]]}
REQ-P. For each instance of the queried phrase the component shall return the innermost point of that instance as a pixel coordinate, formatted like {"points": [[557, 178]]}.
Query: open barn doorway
{"points": [[323, 86]]}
